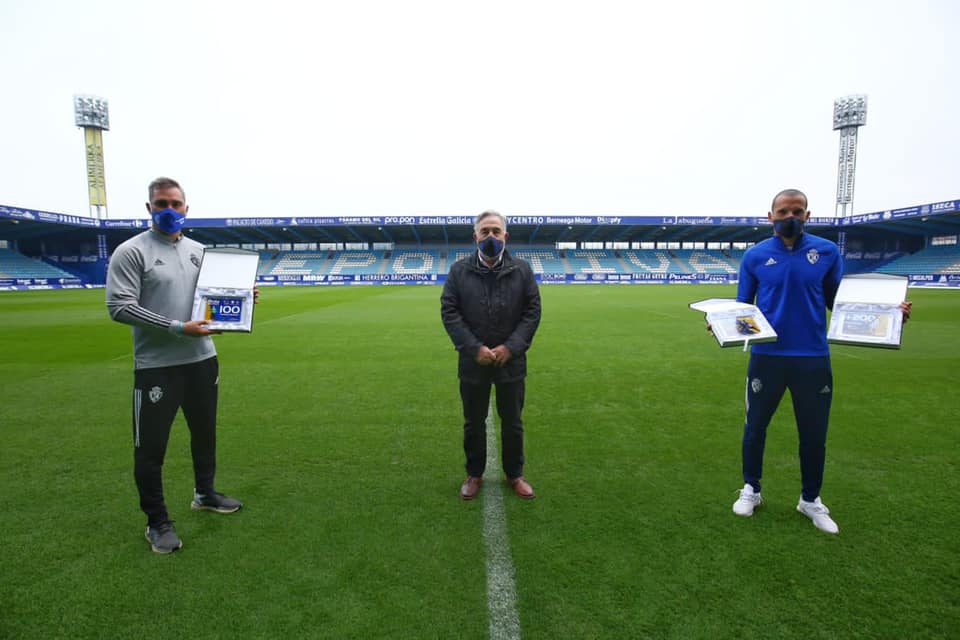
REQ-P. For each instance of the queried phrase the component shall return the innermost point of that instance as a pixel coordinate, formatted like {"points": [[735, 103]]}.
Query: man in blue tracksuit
{"points": [[793, 278]]}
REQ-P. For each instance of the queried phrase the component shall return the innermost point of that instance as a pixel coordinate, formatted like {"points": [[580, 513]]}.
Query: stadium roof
{"points": [[940, 218]]}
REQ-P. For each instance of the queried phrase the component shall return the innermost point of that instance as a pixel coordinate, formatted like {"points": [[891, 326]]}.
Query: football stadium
{"points": [[340, 428]]}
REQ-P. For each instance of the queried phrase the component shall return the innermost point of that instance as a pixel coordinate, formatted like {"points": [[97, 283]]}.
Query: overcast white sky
{"points": [[427, 107]]}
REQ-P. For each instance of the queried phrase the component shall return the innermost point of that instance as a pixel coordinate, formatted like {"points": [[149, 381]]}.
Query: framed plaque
{"points": [[735, 323], [866, 311], [224, 294]]}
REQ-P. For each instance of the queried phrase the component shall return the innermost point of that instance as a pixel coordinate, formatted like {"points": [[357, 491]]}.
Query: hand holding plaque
{"points": [[224, 295]]}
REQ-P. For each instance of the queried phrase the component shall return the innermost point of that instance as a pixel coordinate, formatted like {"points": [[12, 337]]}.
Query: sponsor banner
{"points": [[748, 222], [379, 279], [238, 222], [96, 182], [636, 278], [23, 284], [939, 280], [364, 279], [864, 218], [394, 221], [897, 214], [936, 208], [932, 281], [312, 222], [944, 207], [125, 224], [397, 277], [47, 216]]}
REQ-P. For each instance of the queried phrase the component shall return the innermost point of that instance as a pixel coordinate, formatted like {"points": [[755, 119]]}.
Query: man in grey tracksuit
{"points": [[150, 285]]}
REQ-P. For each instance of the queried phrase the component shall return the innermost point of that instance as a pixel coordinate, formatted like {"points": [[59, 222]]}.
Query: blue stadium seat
{"points": [[356, 263], [544, 260], [932, 260], [16, 265], [407, 261], [293, 263]]}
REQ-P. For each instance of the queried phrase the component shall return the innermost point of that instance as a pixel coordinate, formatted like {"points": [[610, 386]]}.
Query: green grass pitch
{"points": [[340, 429]]}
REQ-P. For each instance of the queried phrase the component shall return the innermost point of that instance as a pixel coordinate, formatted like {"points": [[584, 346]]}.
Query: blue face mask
{"points": [[789, 227], [490, 247], [169, 220]]}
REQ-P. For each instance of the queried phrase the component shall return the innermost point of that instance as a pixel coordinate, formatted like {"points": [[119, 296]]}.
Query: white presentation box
{"points": [[224, 294], [866, 311], [735, 323]]}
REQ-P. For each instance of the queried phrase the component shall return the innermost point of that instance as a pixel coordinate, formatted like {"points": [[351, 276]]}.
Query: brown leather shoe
{"points": [[470, 487], [522, 488]]}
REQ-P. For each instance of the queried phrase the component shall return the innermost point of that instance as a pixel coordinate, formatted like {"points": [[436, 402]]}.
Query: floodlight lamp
{"points": [[850, 111], [91, 112]]}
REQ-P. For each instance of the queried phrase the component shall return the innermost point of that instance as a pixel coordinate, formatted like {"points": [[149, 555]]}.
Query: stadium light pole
{"points": [[91, 113], [849, 114]]}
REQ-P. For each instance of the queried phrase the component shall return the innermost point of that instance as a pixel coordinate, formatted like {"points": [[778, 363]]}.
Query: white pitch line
{"points": [[501, 588]]}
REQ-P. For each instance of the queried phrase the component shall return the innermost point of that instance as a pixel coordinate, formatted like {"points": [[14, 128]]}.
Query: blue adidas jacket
{"points": [[793, 288]]}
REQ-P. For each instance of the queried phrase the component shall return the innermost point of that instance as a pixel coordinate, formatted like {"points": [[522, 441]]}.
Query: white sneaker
{"points": [[747, 502], [818, 512]]}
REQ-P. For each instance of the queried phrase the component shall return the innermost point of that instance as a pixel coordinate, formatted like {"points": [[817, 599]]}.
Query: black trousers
{"points": [[810, 381], [157, 395], [476, 401]]}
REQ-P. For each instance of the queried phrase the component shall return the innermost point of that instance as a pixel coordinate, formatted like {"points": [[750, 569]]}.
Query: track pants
{"points": [[157, 395], [476, 402], [810, 381]]}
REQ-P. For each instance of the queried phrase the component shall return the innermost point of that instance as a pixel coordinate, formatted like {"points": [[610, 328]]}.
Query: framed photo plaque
{"points": [[866, 311], [735, 323], [224, 294]]}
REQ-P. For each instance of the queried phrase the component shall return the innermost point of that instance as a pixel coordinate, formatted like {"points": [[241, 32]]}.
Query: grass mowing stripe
{"points": [[501, 588]]}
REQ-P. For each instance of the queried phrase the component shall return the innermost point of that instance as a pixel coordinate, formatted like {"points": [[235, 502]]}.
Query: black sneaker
{"points": [[162, 538], [215, 502]]}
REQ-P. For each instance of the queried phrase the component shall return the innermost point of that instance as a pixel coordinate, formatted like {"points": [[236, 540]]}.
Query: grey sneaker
{"points": [[162, 538], [214, 502]]}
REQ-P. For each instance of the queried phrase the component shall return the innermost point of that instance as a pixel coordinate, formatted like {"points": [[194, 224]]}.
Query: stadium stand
{"points": [[706, 261], [650, 261], [933, 260], [868, 261], [356, 263], [295, 263], [593, 261], [403, 261], [456, 254], [15, 265], [543, 260]]}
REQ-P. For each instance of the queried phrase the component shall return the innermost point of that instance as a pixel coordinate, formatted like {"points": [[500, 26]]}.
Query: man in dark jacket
{"points": [[491, 308]]}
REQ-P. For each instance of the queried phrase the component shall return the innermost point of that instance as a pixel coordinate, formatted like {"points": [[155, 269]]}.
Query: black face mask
{"points": [[789, 227], [490, 247]]}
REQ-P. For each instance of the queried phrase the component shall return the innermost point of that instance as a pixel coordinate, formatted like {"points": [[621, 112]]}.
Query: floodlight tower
{"points": [[849, 114], [90, 112]]}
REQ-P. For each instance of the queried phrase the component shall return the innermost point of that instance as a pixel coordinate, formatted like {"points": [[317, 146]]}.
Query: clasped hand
{"points": [[498, 356]]}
